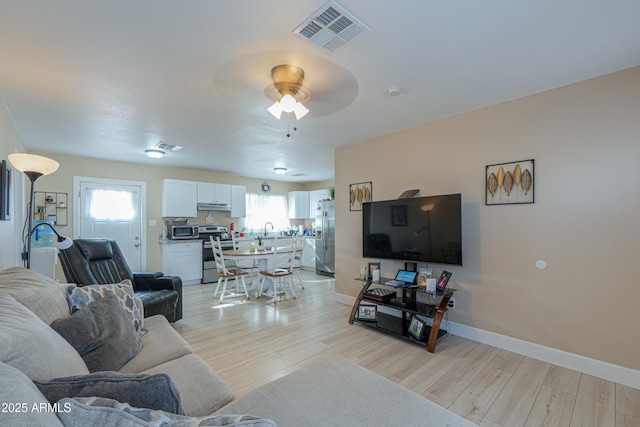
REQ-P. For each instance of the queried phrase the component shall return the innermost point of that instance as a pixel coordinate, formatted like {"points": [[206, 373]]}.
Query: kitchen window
{"points": [[263, 208]]}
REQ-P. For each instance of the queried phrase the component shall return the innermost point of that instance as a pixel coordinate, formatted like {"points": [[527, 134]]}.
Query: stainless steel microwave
{"points": [[181, 232]]}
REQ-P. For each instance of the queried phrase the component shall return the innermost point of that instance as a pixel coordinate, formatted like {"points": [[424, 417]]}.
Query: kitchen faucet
{"points": [[265, 228]]}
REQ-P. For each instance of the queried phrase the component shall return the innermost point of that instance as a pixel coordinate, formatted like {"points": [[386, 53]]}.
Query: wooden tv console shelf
{"points": [[408, 305]]}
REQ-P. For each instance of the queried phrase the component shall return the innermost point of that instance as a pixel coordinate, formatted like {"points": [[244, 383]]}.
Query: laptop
{"points": [[403, 278]]}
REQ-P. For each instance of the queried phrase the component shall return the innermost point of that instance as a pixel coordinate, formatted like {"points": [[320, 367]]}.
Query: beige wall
{"points": [[585, 139], [10, 142]]}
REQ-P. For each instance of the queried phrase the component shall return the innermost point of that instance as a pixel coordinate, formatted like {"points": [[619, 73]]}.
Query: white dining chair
{"points": [[300, 244], [224, 273], [280, 271], [251, 265]]}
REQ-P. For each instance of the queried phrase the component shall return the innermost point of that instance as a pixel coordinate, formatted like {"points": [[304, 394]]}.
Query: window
{"points": [[110, 204], [263, 208]]}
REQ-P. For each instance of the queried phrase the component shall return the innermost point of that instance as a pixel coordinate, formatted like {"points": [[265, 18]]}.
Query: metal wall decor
{"points": [[358, 194], [509, 183]]}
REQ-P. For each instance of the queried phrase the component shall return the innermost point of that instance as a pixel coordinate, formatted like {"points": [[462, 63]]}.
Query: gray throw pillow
{"points": [[139, 390], [95, 411], [102, 334], [30, 345], [21, 401]]}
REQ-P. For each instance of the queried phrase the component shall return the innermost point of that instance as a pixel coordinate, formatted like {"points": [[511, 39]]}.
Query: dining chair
{"points": [[251, 265], [280, 271], [300, 244], [224, 273]]}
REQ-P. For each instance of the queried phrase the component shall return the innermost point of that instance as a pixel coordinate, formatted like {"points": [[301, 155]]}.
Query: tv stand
{"points": [[408, 305]]}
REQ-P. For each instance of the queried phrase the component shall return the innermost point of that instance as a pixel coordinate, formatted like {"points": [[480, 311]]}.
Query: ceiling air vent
{"points": [[330, 27], [168, 147]]}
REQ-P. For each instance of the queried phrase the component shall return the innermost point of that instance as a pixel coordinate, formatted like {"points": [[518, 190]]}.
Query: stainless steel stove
{"points": [[209, 273]]}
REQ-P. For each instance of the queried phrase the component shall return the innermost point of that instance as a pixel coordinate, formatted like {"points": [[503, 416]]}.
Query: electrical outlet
{"points": [[452, 303]]}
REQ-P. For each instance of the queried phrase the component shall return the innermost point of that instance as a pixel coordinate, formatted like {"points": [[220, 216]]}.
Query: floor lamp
{"points": [[33, 167]]}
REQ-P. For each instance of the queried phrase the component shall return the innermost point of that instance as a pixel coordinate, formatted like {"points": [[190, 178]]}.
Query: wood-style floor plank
{"points": [[250, 343], [595, 403], [514, 403]]}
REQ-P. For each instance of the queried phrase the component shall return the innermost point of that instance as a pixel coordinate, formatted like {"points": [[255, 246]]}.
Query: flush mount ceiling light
{"points": [[287, 91], [154, 154], [280, 171]]}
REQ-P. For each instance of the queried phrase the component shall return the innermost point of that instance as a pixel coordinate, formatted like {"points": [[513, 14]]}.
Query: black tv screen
{"points": [[422, 229]]}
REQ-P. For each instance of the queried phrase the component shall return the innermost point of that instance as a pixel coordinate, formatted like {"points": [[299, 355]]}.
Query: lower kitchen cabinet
{"points": [[183, 259], [309, 254]]}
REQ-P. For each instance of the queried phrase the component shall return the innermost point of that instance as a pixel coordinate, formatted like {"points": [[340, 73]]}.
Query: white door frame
{"points": [[143, 209]]}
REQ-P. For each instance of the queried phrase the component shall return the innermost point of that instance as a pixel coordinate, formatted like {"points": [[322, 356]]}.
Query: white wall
{"points": [[585, 139]]}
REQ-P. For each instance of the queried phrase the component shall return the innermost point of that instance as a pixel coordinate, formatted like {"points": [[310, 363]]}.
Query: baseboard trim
{"points": [[597, 368]]}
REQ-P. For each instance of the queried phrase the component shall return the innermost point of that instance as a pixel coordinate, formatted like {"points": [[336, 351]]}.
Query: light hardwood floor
{"points": [[252, 343]]}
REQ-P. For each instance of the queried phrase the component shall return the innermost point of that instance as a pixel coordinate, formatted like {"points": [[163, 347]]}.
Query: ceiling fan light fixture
{"points": [[287, 91], [276, 110], [280, 170], [300, 110], [288, 103], [154, 154]]}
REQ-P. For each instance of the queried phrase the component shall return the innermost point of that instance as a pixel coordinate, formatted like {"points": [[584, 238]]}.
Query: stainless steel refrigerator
{"points": [[325, 238]]}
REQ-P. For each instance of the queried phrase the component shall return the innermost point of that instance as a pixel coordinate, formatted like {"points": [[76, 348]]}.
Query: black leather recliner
{"points": [[100, 261]]}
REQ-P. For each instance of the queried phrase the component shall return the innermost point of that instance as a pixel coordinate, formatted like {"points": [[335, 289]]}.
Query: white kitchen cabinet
{"points": [[299, 204], [309, 254], [179, 198], [238, 201], [314, 197], [183, 259], [209, 192]]}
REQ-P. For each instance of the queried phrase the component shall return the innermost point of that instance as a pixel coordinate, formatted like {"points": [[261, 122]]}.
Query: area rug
{"points": [[337, 392]]}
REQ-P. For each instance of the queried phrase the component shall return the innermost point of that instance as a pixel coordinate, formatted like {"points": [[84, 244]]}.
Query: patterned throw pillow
{"points": [[81, 296]]}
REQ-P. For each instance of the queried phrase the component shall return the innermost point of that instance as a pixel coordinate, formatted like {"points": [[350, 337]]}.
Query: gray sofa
{"points": [[333, 392]]}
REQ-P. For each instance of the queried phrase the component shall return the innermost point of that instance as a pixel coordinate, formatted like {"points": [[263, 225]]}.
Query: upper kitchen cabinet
{"points": [[209, 192], [314, 197], [238, 201], [299, 204], [179, 198]]}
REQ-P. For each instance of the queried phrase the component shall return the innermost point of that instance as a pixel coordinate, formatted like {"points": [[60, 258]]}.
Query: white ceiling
{"points": [[109, 79]]}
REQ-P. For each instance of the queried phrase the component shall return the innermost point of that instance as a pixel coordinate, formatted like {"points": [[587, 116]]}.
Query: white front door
{"points": [[114, 210]]}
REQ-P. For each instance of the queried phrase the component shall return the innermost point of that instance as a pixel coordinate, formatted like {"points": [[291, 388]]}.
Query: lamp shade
{"points": [[33, 163]]}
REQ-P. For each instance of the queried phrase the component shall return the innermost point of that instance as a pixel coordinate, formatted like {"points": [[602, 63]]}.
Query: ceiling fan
{"points": [[287, 91]]}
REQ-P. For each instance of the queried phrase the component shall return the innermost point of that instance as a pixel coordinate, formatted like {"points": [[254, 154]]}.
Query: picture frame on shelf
{"points": [[373, 272], [441, 285], [368, 312], [417, 328], [423, 275]]}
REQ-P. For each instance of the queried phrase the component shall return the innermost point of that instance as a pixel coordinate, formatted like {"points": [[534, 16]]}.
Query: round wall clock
{"points": [[266, 187]]}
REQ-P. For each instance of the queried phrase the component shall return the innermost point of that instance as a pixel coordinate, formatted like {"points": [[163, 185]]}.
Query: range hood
{"points": [[224, 207]]}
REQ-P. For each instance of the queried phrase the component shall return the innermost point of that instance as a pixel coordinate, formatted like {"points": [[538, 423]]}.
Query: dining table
{"points": [[261, 256]]}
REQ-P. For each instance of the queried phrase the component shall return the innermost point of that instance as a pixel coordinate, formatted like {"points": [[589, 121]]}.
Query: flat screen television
{"points": [[422, 229]]}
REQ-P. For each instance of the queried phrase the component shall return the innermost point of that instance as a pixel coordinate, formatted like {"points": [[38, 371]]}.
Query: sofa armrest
{"points": [[147, 274], [154, 283]]}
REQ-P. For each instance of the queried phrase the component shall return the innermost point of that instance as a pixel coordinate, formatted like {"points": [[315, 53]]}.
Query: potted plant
{"points": [[332, 192], [260, 247]]}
